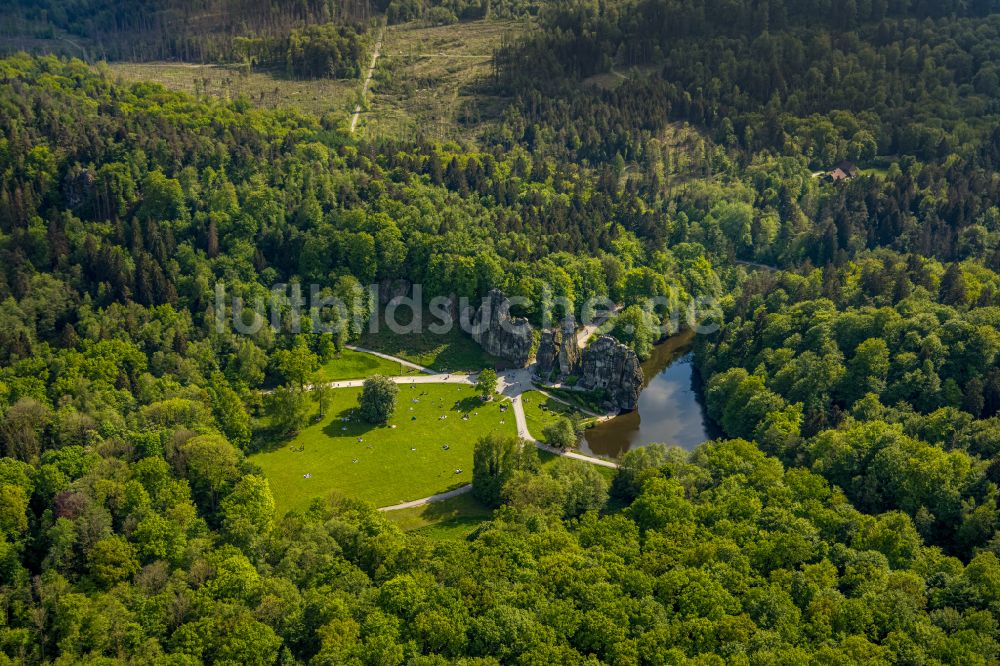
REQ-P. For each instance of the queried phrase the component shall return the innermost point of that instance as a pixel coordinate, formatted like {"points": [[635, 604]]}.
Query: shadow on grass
{"points": [[466, 513], [348, 422], [269, 439], [469, 509], [454, 350], [473, 525], [469, 404]]}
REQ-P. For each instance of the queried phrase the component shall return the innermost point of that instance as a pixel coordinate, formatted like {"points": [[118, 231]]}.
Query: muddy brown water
{"points": [[670, 412]]}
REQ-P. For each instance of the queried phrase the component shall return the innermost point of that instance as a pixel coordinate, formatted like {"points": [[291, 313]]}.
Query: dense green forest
{"points": [[265, 33], [848, 515], [195, 30], [445, 12], [892, 85]]}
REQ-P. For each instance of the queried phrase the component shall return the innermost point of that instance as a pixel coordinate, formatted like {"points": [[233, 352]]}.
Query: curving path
{"points": [[586, 331], [579, 408], [754, 264], [424, 501], [387, 357], [523, 433]]}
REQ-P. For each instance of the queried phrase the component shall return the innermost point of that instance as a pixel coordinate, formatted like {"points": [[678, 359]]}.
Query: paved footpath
{"points": [[387, 357], [522, 432], [404, 379], [424, 501]]}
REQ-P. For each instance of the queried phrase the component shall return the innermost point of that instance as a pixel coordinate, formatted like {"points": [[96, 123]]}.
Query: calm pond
{"points": [[669, 410]]}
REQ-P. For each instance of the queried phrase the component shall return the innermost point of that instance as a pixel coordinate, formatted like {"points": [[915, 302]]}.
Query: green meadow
{"points": [[541, 410], [452, 519], [384, 465], [350, 364]]}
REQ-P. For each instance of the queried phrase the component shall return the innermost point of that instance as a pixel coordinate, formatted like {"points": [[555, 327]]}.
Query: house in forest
{"points": [[843, 171]]}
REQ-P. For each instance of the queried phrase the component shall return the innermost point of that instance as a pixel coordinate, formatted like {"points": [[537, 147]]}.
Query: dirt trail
{"points": [[368, 79], [585, 332]]}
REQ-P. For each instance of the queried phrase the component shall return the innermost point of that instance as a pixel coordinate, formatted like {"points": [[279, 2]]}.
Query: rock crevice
{"points": [[569, 352], [558, 350], [547, 355]]}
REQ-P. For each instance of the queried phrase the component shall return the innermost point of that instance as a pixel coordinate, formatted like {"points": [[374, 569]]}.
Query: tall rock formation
{"points": [[500, 334], [569, 352], [558, 351], [547, 355], [607, 364]]}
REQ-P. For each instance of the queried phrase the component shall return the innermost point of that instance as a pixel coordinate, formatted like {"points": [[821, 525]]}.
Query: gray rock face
{"points": [[548, 352], [607, 364], [569, 352], [500, 334], [78, 186]]}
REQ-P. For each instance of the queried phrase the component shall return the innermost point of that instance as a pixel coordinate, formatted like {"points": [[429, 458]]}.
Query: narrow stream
{"points": [[669, 412]]}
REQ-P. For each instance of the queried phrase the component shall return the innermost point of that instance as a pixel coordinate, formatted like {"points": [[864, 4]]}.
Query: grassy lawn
{"points": [[448, 352], [590, 400], [540, 410], [451, 520], [430, 80], [263, 89], [881, 172], [358, 365], [386, 470]]}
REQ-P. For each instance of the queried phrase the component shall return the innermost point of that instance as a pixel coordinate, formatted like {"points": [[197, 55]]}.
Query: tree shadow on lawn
{"points": [[473, 525], [440, 511], [348, 422], [469, 518], [469, 404], [268, 439], [468, 512]]}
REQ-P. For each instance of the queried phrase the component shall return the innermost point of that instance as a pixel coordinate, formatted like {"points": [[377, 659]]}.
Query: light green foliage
{"points": [[229, 412], [867, 370], [496, 459], [212, 465], [112, 560], [486, 383], [567, 488], [13, 511], [637, 328], [248, 511], [561, 433], [297, 364], [322, 394], [630, 149]]}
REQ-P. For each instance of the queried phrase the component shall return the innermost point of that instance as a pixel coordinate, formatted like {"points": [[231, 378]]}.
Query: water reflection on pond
{"points": [[669, 410]]}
